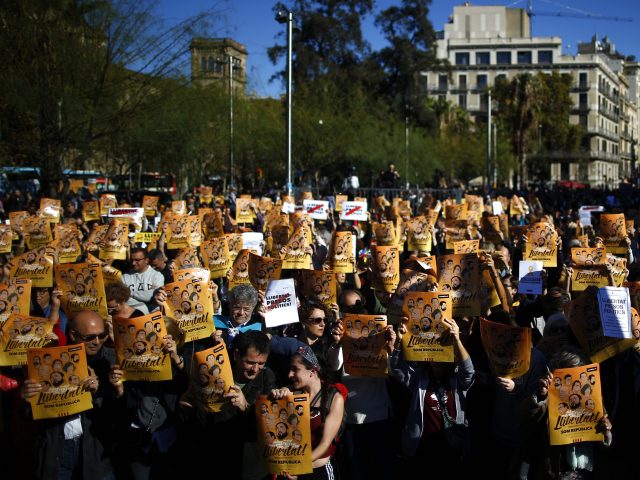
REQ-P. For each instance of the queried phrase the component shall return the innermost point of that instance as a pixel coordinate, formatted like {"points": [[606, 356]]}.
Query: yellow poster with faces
{"points": [[61, 371], [20, 333], [215, 255], [213, 377], [82, 288], [15, 297], [364, 345], [190, 303], [36, 265], [541, 244], [508, 348], [6, 238], [575, 405], [424, 340], [342, 252], [262, 270], [284, 434], [139, 348]]}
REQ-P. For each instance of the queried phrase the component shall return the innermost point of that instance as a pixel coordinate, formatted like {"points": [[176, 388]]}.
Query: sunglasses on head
{"points": [[92, 337], [317, 320]]}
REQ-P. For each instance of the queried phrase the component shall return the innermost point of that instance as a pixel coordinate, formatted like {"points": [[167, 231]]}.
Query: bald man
{"points": [[78, 446]]}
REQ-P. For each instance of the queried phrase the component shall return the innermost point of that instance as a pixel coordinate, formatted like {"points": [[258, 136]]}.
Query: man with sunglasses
{"points": [[79, 446]]}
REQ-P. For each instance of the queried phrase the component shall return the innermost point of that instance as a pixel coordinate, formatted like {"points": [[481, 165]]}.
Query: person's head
{"points": [[590, 404], [139, 347], [157, 259], [89, 328], [139, 259], [553, 302], [57, 378], [117, 296], [296, 435], [293, 420], [562, 408], [314, 318], [299, 410], [574, 401], [242, 302], [270, 437], [283, 415], [304, 368], [250, 353], [576, 386], [352, 301], [282, 429]]}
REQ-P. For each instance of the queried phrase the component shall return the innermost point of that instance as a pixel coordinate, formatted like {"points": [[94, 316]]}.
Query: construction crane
{"points": [[569, 12]]}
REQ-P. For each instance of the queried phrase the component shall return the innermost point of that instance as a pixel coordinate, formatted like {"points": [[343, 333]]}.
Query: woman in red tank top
{"points": [[327, 410]]}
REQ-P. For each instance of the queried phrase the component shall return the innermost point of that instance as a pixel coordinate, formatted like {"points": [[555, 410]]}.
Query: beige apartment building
{"points": [[484, 43]]}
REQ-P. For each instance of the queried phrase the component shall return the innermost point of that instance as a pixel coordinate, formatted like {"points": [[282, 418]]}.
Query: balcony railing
{"points": [[615, 98], [599, 154], [605, 132], [609, 113], [437, 87]]}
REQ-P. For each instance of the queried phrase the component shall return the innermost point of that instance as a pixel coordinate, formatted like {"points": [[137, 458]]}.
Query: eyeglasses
{"points": [[317, 320], [92, 337], [242, 308], [133, 260]]}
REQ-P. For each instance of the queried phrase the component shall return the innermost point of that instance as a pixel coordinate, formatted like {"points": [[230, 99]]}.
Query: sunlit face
{"points": [[250, 365], [299, 375], [241, 312], [315, 322]]}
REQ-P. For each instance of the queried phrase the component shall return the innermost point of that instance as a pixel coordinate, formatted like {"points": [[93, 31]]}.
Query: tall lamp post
{"points": [[286, 16], [488, 178], [231, 179]]}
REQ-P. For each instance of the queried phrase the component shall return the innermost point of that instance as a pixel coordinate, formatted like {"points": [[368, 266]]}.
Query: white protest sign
{"points": [[615, 311], [282, 307], [133, 213], [530, 277], [584, 213], [317, 209], [354, 211], [253, 241], [497, 207], [288, 207]]}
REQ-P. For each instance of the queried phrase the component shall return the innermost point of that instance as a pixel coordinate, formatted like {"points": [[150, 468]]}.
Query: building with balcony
{"points": [[485, 43], [219, 60]]}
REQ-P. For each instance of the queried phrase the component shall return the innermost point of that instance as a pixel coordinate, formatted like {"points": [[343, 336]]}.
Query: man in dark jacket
{"points": [[79, 446], [232, 431]]}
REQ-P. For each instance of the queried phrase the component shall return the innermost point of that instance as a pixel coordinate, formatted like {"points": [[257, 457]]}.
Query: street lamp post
{"points": [[488, 183], [406, 149], [231, 180], [286, 16]]}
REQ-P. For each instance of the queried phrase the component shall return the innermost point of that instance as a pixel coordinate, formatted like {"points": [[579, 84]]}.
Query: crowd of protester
{"points": [[388, 427]]}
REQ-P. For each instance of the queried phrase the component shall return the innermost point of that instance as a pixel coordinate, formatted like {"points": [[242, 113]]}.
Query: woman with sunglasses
{"points": [[317, 329]]}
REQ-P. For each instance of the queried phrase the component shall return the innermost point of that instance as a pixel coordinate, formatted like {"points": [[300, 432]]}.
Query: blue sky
{"points": [[252, 23]]}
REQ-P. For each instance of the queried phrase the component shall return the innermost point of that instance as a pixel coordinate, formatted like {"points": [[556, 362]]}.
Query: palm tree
{"points": [[518, 105]]}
